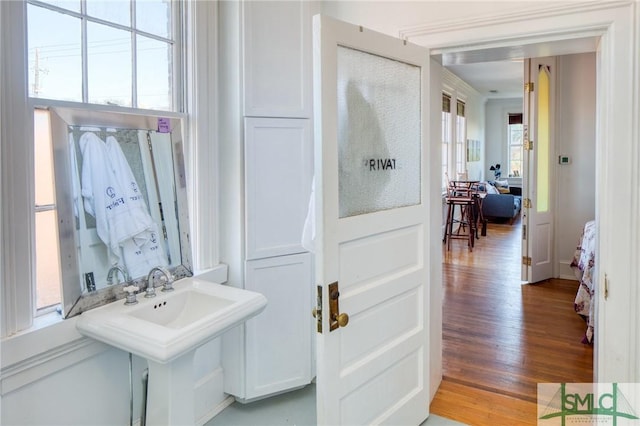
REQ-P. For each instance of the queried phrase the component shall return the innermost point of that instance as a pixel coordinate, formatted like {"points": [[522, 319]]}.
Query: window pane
{"points": [[47, 260], [461, 135], [73, 5], [154, 74], [515, 149], [543, 141], [43, 159], [109, 65], [118, 11], [379, 138], [55, 58], [154, 16]]}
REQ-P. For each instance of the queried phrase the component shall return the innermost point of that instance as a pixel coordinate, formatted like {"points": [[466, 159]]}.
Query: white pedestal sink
{"points": [[166, 330]]}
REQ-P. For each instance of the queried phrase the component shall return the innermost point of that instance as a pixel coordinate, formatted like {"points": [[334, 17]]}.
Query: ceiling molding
{"points": [[453, 82], [483, 21]]}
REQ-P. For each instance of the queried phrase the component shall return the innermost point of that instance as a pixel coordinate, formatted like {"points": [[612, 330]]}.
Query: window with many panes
{"points": [[446, 136], [112, 53], [461, 136], [102, 52], [514, 138]]}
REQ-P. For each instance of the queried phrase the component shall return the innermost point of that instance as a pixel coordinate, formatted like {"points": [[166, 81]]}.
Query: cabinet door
{"points": [[277, 58], [278, 169], [278, 340]]}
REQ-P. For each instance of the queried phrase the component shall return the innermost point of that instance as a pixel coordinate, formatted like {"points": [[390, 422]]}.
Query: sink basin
{"points": [[166, 330], [172, 324]]}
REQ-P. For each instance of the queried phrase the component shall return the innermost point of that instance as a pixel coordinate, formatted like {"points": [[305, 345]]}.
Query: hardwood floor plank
{"points": [[500, 337]]}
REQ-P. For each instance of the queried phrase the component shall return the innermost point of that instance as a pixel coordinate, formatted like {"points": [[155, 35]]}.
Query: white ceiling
{"points": [[501, 69], [503, 77]]}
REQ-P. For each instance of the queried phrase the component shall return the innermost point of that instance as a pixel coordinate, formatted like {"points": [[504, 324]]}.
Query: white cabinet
{"points": [[278, 173], [277, 58], [278, 341], [267, 164], [272, 353]]}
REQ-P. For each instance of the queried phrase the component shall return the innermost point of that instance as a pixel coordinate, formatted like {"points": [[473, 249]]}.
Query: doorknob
{"points": [[342, 320]]}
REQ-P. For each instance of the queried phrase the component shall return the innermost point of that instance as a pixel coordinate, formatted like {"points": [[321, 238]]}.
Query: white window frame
{"points": [[17, 177], [460, 138], [177, 99], [456, 161], [511, 146], [447, 132], [175, 40]]}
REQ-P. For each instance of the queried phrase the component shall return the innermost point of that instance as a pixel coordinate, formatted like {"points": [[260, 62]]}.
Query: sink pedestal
{"points": [[170, 392]]}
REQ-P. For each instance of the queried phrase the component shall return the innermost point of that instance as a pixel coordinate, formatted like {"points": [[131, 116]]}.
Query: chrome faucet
{"points": [[167, 285], [129, 290], [114, 270]]}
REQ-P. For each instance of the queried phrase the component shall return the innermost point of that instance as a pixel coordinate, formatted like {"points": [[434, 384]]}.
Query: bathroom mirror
{"points": [[121, 202]]}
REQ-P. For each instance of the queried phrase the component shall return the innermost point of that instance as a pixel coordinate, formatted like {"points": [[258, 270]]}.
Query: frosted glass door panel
{"points": [[378, 133]]}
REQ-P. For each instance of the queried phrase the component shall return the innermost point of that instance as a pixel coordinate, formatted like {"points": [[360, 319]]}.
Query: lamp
{"points": [[496, 171]]}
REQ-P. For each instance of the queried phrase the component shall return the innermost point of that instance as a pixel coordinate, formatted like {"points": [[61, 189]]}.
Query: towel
{"points": [[309, 229], [141, 251], [144, 252], [99, 190], [112, 196], [75, 174]]}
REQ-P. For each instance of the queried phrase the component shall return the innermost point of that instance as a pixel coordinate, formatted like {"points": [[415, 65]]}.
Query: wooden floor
{"points": [[501, 338]]}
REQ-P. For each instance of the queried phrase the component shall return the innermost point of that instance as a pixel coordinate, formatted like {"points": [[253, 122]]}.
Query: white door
{"points": [[372, 234], [537, 199]]}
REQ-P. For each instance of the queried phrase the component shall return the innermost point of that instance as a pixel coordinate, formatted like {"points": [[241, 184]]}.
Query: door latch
{"points": [[336, 319], [317, 311]]}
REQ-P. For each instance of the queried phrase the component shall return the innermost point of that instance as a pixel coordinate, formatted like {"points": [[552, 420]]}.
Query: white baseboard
{"points": [[565, 271]]}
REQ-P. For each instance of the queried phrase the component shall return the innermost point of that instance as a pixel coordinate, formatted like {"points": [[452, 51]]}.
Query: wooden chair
{"points": [[459, 194]]}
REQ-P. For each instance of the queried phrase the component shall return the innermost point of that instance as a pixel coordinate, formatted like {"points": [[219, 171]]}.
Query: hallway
{"points": [[501, 338]]}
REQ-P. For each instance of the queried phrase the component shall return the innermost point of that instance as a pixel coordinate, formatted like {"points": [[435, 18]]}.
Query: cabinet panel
{"points": [[278, 340], [277, 58], [278, 168]]}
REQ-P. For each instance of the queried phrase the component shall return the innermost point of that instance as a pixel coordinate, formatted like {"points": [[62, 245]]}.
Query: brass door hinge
{"points": [[528, 87], [528, 145], [526, 260], [317, 311], [526, 203]]}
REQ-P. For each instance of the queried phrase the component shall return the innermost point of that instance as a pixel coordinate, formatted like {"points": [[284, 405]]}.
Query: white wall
{"points": [[575, 137], [497, 111], [94, 391]]}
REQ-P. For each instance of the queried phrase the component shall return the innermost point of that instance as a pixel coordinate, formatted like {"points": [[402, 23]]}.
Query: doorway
{"points": [[619, 134]]}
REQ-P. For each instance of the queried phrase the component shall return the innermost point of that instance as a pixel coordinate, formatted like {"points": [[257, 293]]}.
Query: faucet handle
{"points": [[168, 284], [131, 294]]}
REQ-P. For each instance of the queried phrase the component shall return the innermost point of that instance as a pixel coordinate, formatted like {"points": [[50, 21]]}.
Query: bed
{"points": [[583, 266]]}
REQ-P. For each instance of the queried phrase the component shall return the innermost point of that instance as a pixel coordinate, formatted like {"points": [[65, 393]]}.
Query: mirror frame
{"points": [[74, 301]]}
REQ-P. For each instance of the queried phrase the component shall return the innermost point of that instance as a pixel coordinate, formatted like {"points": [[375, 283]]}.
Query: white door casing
{"points": [[538, 138], [372, 231], [617, 131]]}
